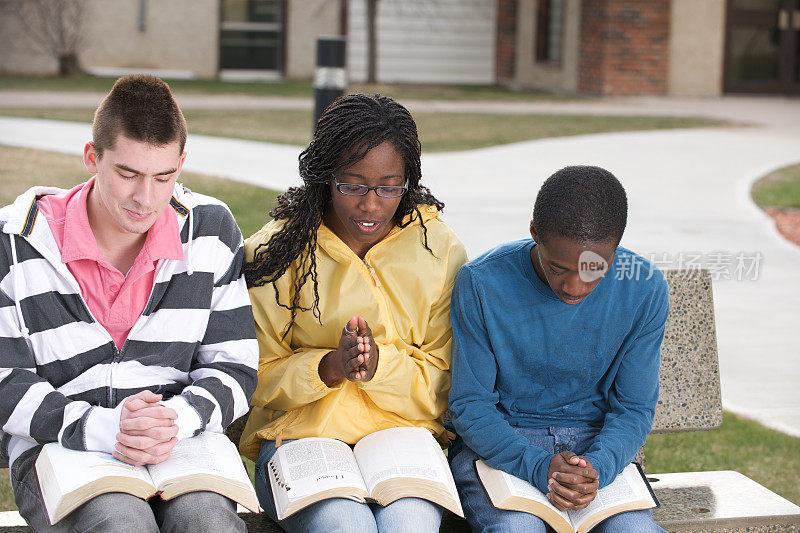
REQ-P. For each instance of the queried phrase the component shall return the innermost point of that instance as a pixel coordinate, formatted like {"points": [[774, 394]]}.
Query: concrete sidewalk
{"points": [[689, 198]]}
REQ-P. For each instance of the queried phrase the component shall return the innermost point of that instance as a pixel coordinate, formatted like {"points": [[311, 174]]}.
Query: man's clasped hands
{"points": [[572, 481]]}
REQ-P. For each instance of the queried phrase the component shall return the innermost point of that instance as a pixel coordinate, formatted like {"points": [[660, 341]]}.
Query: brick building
{"points": [[628, 47]]}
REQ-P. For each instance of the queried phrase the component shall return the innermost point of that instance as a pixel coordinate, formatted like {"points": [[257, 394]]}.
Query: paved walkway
{"points": [[689, 197]]}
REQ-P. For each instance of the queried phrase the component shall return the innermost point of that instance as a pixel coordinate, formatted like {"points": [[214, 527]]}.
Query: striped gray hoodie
{"points": [[62, 379]]}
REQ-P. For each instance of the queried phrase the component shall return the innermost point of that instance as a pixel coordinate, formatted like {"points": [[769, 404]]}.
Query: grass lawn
{"points": [[289, 88], [769, 457], [779, 189], [438, 131]]}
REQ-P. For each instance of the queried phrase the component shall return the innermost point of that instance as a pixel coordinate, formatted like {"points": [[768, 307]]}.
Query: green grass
{"points": [[438, 131], [767, 456], [209, 87], [287, 88], [779, 189]]}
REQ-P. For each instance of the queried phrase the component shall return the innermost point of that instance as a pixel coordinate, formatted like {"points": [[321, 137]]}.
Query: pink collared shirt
{"points": [[115, 300]]}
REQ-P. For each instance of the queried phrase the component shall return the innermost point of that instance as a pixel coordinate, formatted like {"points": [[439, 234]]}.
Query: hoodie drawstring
{"points": [[18, 288], [189, 270]]}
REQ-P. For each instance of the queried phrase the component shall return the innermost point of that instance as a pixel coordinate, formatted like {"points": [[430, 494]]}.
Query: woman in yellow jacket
{"points": [[350, 286]]}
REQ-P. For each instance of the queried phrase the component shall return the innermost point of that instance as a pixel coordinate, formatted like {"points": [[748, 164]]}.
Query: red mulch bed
{"points": [[788, 222]]}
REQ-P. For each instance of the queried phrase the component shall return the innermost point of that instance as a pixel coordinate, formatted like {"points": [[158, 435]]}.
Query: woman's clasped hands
{"points": [[356, 358]]}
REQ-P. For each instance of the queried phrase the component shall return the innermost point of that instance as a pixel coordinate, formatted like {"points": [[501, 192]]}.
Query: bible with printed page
{"points": [[383, 467], [630, 491], [207, 462]]}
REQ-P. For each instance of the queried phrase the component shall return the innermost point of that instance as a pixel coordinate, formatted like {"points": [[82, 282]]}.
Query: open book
{"points": [[207, 462], [629, 492], [383, 467]]}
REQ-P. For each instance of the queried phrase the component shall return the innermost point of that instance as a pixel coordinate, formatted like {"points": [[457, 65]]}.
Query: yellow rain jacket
{"points": [[403, 292]]}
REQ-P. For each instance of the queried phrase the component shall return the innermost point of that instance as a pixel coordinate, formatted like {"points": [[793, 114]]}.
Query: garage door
{"points": [[418, 41]]}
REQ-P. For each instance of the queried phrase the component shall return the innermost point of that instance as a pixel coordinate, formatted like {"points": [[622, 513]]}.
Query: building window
{"points": [[549, 31], [252, 35]]}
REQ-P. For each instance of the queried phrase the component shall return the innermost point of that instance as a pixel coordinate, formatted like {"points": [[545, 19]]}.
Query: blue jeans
{"points": [[414, 515], [483, 516]]}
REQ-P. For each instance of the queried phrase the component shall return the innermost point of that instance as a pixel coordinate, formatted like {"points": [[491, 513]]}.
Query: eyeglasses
{"points": [[384, 191]]}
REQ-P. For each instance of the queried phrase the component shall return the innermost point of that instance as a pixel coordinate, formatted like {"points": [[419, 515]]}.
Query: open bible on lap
{"points": [[630, 491], [383, 467], [207, 462]]}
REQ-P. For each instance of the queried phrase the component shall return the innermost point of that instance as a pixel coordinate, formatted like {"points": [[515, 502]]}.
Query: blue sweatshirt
{"points": [[523, 358]]}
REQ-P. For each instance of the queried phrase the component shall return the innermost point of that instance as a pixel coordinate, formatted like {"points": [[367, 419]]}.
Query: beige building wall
{"points": [[529, 73], [696, 47], [306, 20], [181, 36]]}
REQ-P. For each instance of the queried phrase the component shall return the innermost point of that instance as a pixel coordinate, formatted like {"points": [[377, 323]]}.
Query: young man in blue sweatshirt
{"points": [[556, 349]]}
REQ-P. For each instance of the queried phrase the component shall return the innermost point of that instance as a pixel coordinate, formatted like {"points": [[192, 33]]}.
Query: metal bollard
{"points": [[330, 77]]}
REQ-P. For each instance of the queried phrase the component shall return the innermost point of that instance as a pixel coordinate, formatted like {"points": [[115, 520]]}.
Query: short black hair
{"points": [[583, 204]]}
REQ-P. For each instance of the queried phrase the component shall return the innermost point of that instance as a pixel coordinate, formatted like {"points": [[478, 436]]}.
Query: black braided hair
{"points": [[349, 128]]}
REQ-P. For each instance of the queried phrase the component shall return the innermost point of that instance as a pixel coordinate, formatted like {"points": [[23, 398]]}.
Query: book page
{"points": [[315, 464], [627, 487], [68, 478], [208, 453], [72, 469], [509, 492], [401, 452], [523, 489]]}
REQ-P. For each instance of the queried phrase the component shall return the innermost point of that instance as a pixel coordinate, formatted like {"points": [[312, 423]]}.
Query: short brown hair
{"points": [[142, 108]]}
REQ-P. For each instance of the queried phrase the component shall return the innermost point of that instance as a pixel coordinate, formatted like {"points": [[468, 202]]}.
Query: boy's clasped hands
{"points": [[356, 358], [572, 481], [147, 430]]}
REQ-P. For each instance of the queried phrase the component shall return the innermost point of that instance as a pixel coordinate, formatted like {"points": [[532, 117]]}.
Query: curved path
{"points": [[689, 197]]}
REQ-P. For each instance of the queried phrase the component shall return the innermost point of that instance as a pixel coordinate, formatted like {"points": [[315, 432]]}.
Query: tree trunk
{"points": [[68, 64], [372, 51]]}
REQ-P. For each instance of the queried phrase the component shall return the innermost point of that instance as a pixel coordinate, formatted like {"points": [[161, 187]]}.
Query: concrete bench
{"points": [[689, 400]]}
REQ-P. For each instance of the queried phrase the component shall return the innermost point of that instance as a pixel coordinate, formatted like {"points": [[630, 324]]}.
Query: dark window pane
{"points": [[797, 59], [549, 30], [252, 34], [250, 50], [555, 31], [754, 55]]}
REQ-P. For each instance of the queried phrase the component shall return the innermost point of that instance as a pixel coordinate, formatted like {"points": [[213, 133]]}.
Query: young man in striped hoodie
{"points": [[125, 324]]}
